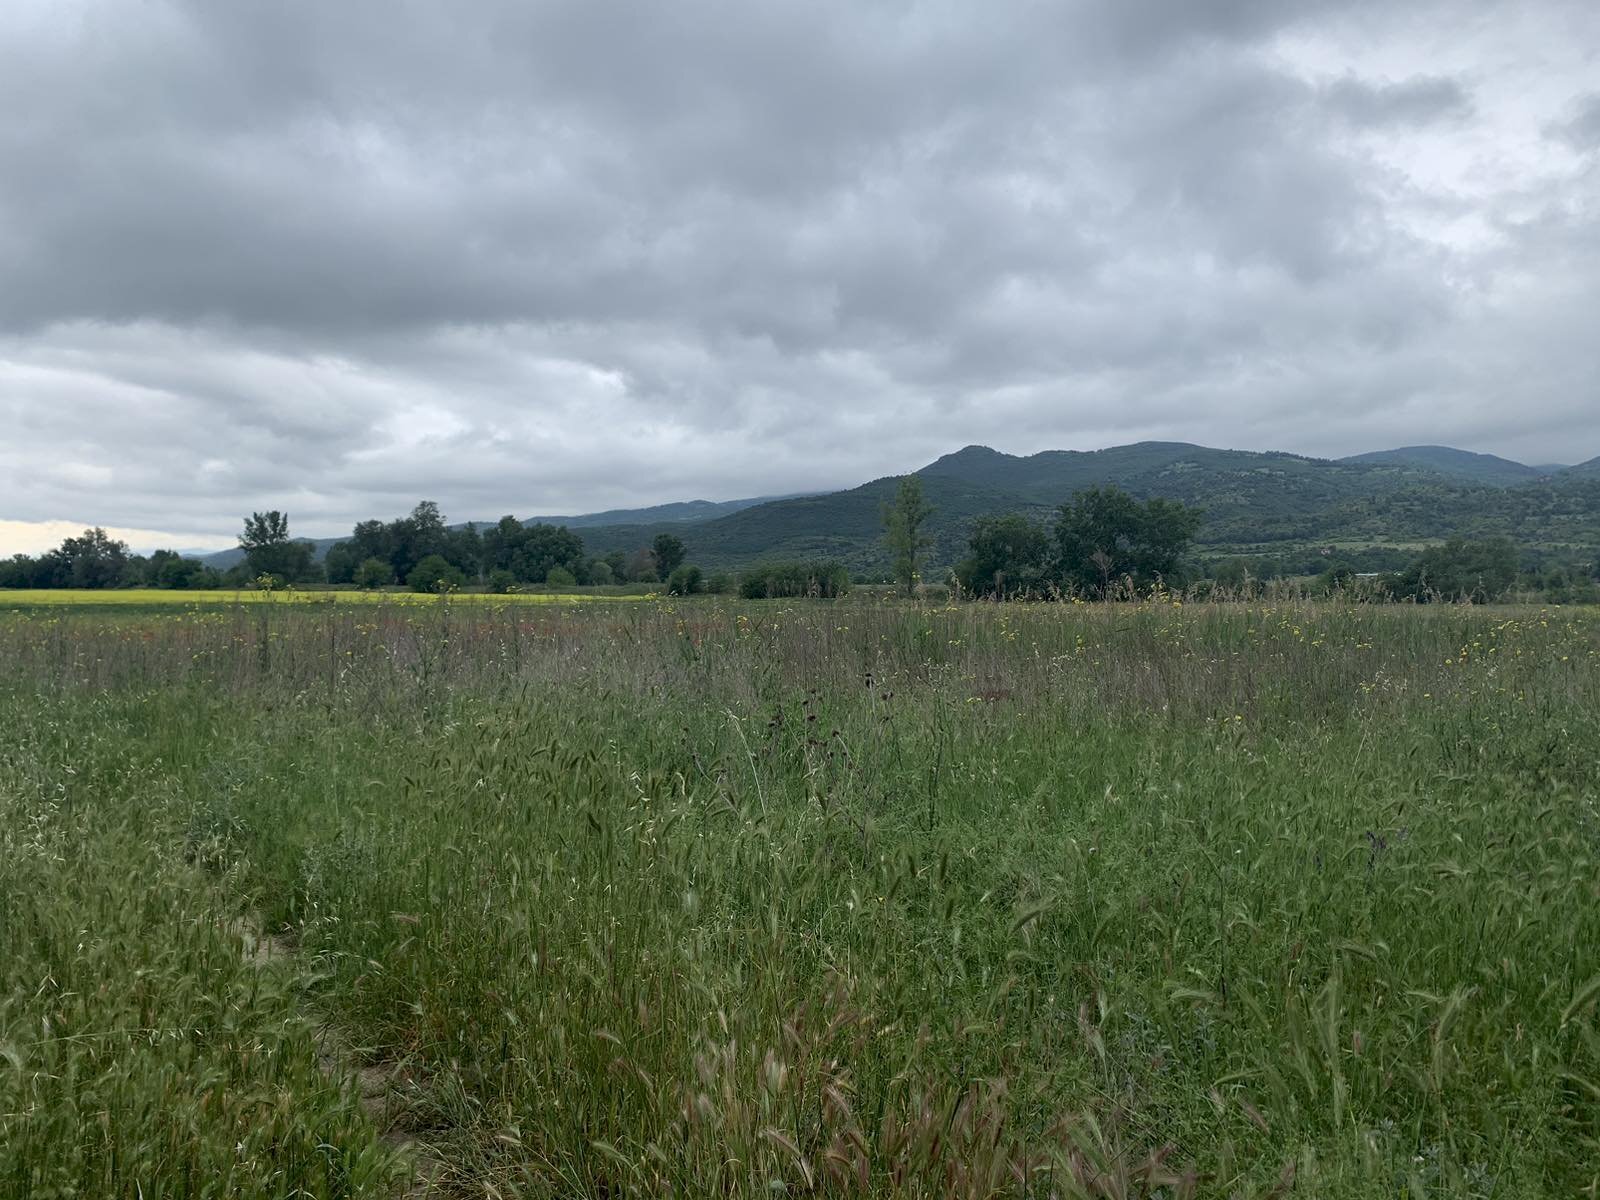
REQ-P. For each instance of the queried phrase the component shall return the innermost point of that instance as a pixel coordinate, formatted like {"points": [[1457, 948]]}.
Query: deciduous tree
{"points": [[903, 521], [269, 550], [1104, 536], [670, 553]]}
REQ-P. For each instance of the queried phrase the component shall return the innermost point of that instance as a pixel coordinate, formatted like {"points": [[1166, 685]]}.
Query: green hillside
{"points": [[678, 512], [1584, 470], [1459, 464], [1253, 503], [1247, 495], [847, 526], [1166, 468]]}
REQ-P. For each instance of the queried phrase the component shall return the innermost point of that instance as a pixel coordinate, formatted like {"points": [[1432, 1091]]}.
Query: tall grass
{"points": [[25, 599], [732, 899]]}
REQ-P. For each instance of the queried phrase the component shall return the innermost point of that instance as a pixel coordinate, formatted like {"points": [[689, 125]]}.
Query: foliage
{"points": [[169, 569], [531, 552], [686, 581], [771, 581], [1104, 536], [669, 552], [904, 530], [94, 560], [405, 542], [435, 573], [1269, 507], [640, 566], [373, 573], [1461, 570], [1009, 556], [418, 537], [1102, 541], [269, 550], [1461, 464], [560, 577]]}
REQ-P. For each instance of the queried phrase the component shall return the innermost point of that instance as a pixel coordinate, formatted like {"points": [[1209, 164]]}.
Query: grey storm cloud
{"points": [[1413, 101], [1583, 130], [568, 255]]}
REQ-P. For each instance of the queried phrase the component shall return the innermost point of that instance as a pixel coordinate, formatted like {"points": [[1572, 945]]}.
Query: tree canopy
{"points": [[1100, 540], [1009, 555], [669, 552], [1104, 537], [94, 559], [904, 519], [1477, 571], [269, 550]]}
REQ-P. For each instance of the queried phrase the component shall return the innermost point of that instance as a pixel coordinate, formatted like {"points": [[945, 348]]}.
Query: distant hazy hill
{"points": [[659, 514], [1462, 464], [1584, 470], [223, 559]]}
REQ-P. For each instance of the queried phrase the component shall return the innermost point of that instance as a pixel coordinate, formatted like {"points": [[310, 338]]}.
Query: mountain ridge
{"points": [[1254, 502], [1489, 468]]}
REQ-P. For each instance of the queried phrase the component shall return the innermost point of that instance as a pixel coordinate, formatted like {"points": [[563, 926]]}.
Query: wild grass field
{"points": [[23, 599], [737, 900]]}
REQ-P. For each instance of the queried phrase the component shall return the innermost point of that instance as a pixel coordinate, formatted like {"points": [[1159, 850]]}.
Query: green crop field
{"points": [[838, 899]]}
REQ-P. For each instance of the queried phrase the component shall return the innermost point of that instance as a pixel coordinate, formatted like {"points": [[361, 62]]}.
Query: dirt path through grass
{"points": [[386, 1091]]}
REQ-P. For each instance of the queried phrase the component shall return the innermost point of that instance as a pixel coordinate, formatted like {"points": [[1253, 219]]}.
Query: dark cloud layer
{"points": [[521, 257]]}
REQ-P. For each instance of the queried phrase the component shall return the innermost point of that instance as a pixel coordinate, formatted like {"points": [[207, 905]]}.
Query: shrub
{"points": [[502, 581], [560, 577], [769, 581], [372, 573], [685, 581], [435, 573], [1008, 557], [1461, 570]]}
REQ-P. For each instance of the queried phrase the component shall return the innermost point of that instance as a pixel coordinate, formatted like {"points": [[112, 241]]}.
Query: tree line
{"points": [[418, 550], [93, 559], [1104, 544], [423, 552], [1101, 544]]}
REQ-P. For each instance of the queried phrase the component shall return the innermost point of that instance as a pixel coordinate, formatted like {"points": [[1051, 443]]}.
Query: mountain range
{"points": [[1254, 503]]}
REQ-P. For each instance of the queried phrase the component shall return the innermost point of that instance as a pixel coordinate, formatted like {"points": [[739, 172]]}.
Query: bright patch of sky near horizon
{"points": [[575, 256]]}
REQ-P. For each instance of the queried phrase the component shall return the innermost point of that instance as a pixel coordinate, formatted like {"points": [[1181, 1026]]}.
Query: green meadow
{"points": [[850, 898]]}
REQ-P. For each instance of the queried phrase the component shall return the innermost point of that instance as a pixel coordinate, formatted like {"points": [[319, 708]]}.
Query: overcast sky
{"points": [[556, 257]]}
